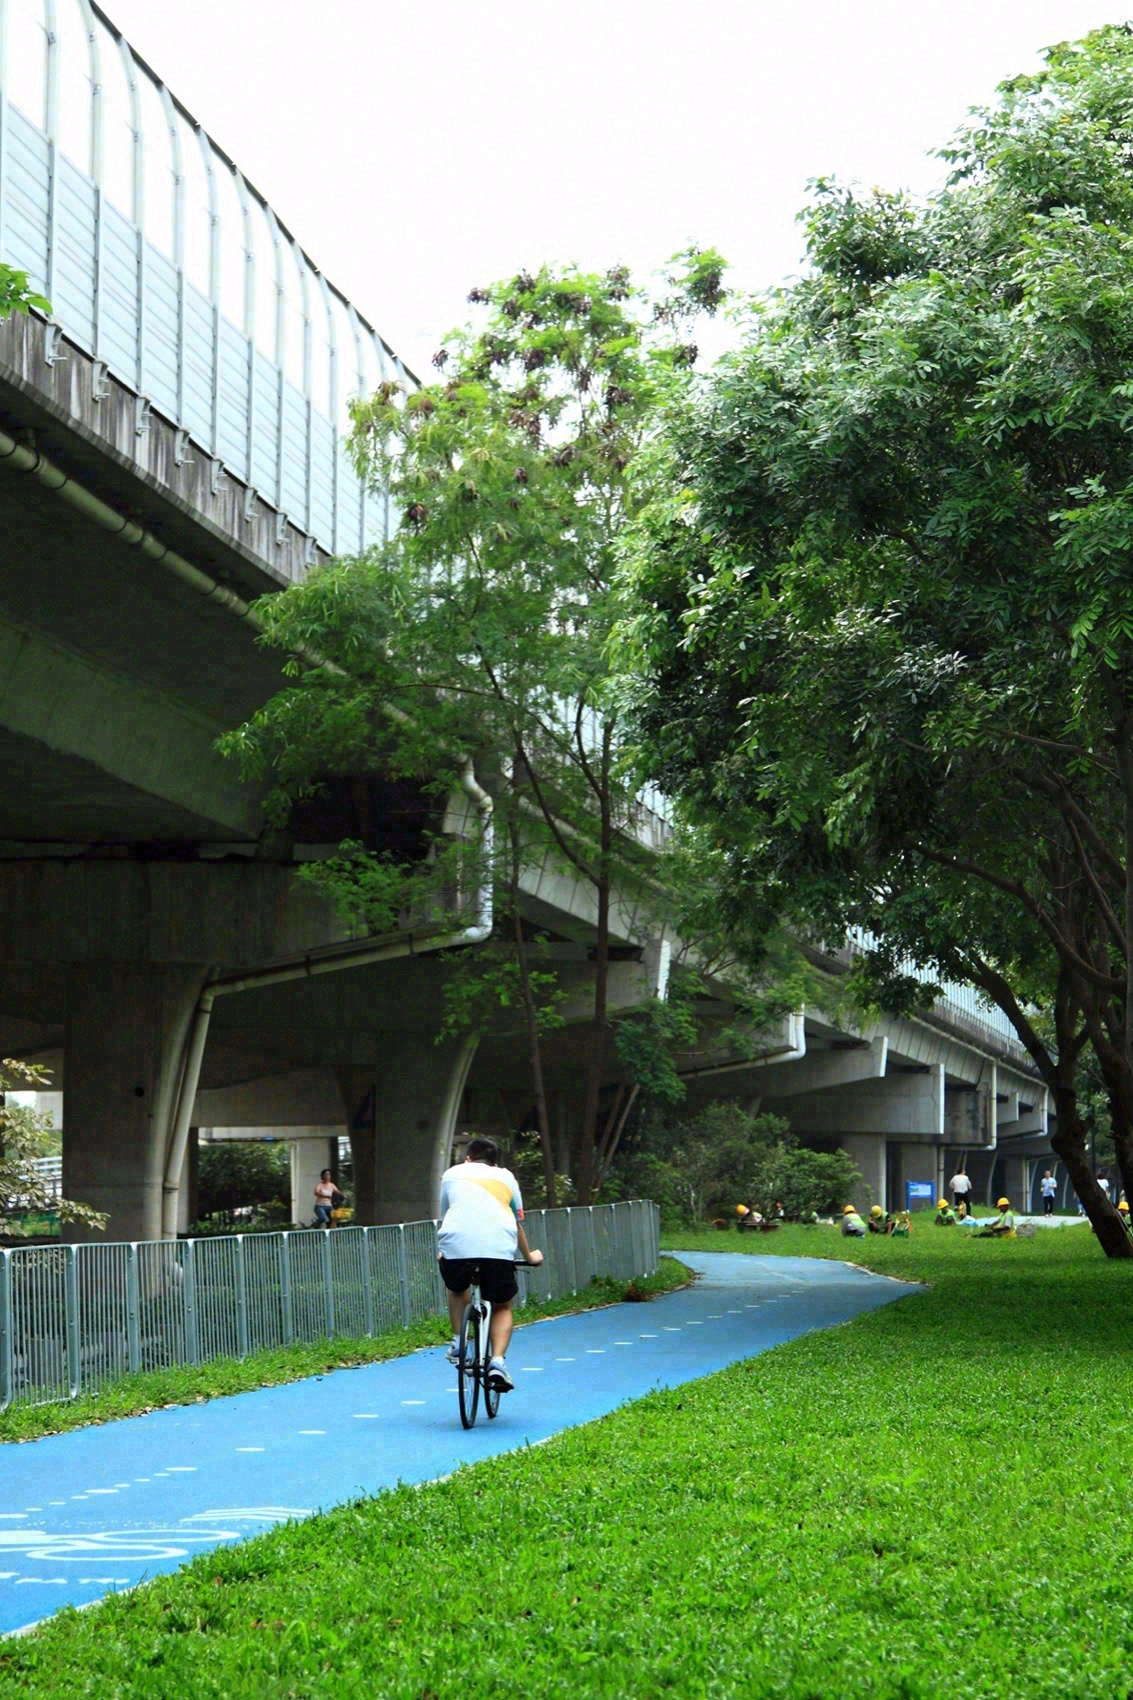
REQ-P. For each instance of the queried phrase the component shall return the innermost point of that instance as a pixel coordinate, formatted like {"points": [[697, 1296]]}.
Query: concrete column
{"points": [[867, 1150], [124, 1038], [309, 1157], [398, 1162], [188, 1194]]}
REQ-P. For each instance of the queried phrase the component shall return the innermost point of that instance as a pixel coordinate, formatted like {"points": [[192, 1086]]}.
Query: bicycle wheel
{"points": [[468, 1368], [491, 1394]]}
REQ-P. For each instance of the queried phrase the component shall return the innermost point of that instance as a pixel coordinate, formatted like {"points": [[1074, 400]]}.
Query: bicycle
{"points": [[474, 1354]]}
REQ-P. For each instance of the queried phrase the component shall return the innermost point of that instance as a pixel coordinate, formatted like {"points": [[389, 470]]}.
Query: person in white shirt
{"points": [[482, 1224], [1048, 1186], [960, 1187]]}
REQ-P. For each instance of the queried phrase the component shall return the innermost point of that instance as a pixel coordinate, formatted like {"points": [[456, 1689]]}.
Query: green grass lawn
{"points": [[188, 1384], [930, 1500]]}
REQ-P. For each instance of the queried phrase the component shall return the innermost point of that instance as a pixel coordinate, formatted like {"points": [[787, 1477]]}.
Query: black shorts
{"points": [[497, 1276]]}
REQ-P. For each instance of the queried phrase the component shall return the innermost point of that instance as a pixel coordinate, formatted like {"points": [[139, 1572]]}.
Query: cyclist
{"points": [[482, 1224]]}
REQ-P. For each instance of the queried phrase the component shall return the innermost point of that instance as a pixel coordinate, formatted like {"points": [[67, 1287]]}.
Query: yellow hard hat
{"points": [[876, 1210], [741, 1209], [942, 1204], [1003, 1204], [1123, 1206], [847, 1210]]}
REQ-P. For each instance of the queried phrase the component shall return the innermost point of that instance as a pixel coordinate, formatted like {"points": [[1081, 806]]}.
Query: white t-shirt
{"points": [[480, 1209], [1048, 1186], [1104, 1184], [960, 1183]]}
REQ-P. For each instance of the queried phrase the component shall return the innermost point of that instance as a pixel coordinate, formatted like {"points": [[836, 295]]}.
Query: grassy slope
{"points": [[186, 1385], [930, 1499]]}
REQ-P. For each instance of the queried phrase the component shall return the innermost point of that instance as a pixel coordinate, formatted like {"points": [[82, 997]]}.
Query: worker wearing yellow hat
{"points": [[945, 1215], [876, 1223], [1123, 1212], [1001, 1227], [852, 1225]]}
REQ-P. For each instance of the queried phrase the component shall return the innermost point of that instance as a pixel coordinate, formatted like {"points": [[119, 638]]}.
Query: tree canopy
{"points": [[483, 625], [884, 627]]}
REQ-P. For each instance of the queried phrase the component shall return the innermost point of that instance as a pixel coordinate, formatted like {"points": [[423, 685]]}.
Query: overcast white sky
{"points": [[418, 147]]}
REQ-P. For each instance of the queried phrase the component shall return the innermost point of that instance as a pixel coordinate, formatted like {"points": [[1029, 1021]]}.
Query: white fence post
{"points": [[71, 1318], [241, 1298], [367, 1285], [6, 1389], [133, 1331], [328, 1285], [403, 1273], [189, 1301], [287, 1314]]}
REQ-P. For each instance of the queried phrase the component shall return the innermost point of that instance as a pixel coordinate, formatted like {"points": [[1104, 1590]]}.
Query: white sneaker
{"points": [[452, 1356], [498, 1378]]}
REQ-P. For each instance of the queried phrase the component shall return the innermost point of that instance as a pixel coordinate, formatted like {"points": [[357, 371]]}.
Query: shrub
{"points": [[235, 1173]]}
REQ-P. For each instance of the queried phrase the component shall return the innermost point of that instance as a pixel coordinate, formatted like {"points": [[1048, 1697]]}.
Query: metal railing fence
{"points": [[74, 1318]]}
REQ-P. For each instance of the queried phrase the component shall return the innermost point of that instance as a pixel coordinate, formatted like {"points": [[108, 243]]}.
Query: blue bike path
{"points": [[102, 1508]]}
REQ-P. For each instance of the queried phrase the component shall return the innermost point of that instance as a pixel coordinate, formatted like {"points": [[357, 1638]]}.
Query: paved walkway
{"points": [[101, 1509]]}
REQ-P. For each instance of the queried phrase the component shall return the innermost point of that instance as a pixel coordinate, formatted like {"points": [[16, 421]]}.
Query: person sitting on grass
{"points": [[898, 1223], [1001, 1227], [878, 1223], [852, 1225], [748, 1220], [945, 1215], [1123, 1211]]}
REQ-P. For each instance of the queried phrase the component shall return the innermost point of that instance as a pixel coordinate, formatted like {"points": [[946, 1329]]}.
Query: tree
{"points": [[235, 1173], [26, 1137], [703, 1165], [484, 625], [884, 634], [17, 295]]}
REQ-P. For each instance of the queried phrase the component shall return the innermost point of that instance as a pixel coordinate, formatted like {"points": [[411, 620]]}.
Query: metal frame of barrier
{"points": [[75, 1318], [166, 265]]}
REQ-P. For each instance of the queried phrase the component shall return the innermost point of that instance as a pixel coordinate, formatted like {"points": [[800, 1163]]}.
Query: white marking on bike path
{"points": [[204, 1501]]}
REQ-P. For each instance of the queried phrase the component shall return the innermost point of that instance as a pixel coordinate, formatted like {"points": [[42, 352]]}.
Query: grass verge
{"points": [[928, 1500], [187, 1385]]}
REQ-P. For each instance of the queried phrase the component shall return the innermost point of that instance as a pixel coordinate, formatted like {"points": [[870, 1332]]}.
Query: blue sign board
{"points": [[917, 1192]]}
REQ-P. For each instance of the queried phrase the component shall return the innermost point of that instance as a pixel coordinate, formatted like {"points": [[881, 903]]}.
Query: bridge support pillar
{"points": [[125, 1028], [402, 1116], [867, 1151]]}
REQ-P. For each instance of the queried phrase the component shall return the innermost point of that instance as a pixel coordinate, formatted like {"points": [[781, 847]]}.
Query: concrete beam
{"points": [[821, 1071], [304, 1098], [138, 737], [86, 909], [902, 1105]]}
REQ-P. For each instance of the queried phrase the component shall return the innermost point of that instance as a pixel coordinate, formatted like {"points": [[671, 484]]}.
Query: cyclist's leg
{"points": [[503, 1326], [457, 1305]]}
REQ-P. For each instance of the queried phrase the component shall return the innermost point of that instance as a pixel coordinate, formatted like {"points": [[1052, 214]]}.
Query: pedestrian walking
{"points": [[961, 1188], [1048, 1186]]}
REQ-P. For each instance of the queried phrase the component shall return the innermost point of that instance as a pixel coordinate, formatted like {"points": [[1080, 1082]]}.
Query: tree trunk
{"points": [[1070, 1145], [535, 1057], [615, 1126], [596, 1051]]}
